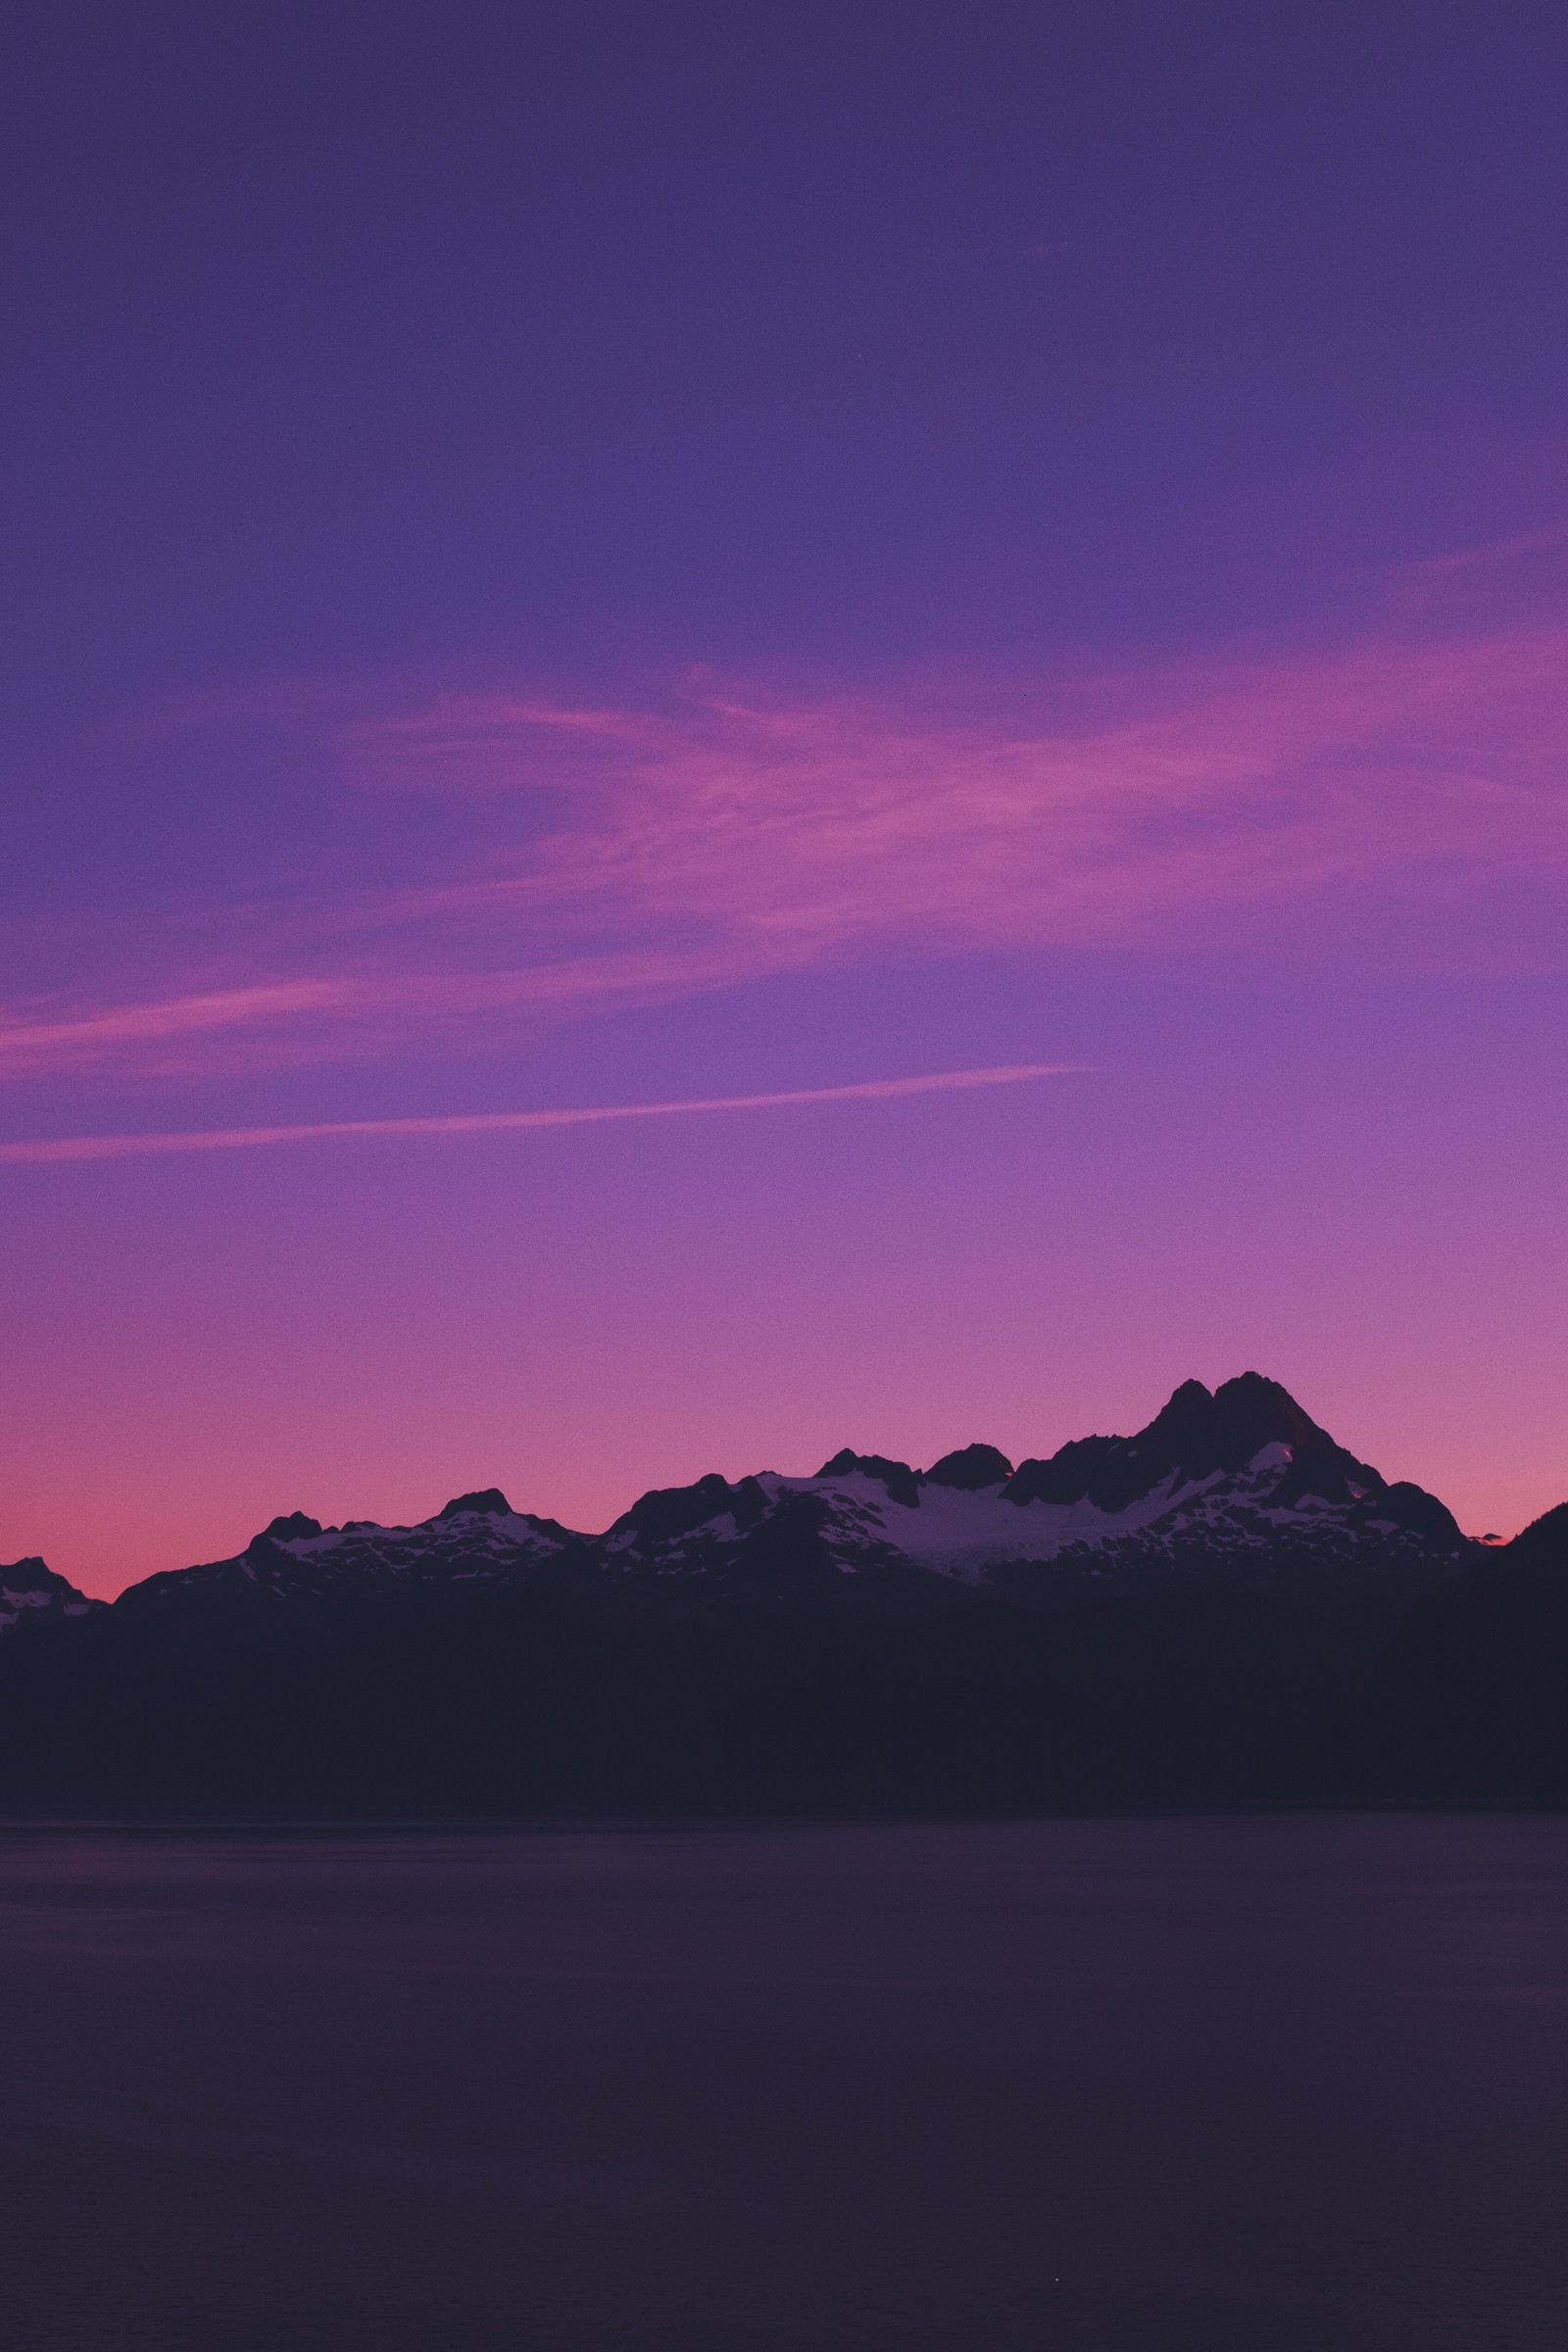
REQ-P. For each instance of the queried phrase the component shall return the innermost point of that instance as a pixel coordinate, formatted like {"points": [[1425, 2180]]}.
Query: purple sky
{"points": [[569, 558]]}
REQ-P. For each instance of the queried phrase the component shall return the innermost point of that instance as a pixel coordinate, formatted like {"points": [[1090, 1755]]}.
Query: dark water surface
{"points": [[1294, 2083]]}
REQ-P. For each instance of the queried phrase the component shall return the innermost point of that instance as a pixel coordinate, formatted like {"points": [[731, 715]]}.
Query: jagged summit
{"points": [[1225, 1430], [1196, 1437], [1198, 1432], [1240, 1470]]}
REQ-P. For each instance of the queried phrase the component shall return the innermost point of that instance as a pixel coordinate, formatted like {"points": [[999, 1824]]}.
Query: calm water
{"points": [[1273, 2083]]}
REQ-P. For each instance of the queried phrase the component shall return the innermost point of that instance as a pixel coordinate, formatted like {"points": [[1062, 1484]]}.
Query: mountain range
{"points": [[1226, 1607]]}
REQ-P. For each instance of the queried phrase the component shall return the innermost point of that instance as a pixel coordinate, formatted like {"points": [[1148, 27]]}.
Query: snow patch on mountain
{"points": [[959, 1532]]}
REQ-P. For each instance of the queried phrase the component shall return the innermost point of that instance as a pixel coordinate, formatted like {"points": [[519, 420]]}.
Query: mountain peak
{"points": [[898, 1477], [1193, 1436], [969, 1468], [1253, 1391], [487, 1499], [29, 1589], [1200, 1432], [1251, 1406], [27, 1575]]}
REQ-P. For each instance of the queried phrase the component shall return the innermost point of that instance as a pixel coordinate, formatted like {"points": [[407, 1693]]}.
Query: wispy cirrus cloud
{"points": [[139, 1146], [826, 824], [565, 855]]}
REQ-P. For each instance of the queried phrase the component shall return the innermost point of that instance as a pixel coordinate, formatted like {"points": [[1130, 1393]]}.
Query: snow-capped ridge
{"points": [[1235, 1470], [1238, 1469], [1236, 1477]]}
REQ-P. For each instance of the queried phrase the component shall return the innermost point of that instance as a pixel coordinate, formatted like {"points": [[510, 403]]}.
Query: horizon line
{"points": [[35, 1150]]}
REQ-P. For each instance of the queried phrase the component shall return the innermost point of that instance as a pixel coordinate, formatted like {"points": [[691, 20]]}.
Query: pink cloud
{"points": [[611, 853], [822, 826]]}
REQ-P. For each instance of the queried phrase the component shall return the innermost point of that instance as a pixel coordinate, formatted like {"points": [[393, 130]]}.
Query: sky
{"points": [[710, 565]]}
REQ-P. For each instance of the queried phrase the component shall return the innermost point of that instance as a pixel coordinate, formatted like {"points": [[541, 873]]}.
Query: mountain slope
{"points": [[1471, 1700]]}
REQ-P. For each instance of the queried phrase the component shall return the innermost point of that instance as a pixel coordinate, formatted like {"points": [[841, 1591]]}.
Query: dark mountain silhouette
{"points": [[971, 1469], [1470, 1701], [31, 1594], [1225, 1607]]}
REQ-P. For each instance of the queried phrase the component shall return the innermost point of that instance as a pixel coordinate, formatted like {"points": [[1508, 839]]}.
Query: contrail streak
{"points": [[500, 1122]]}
